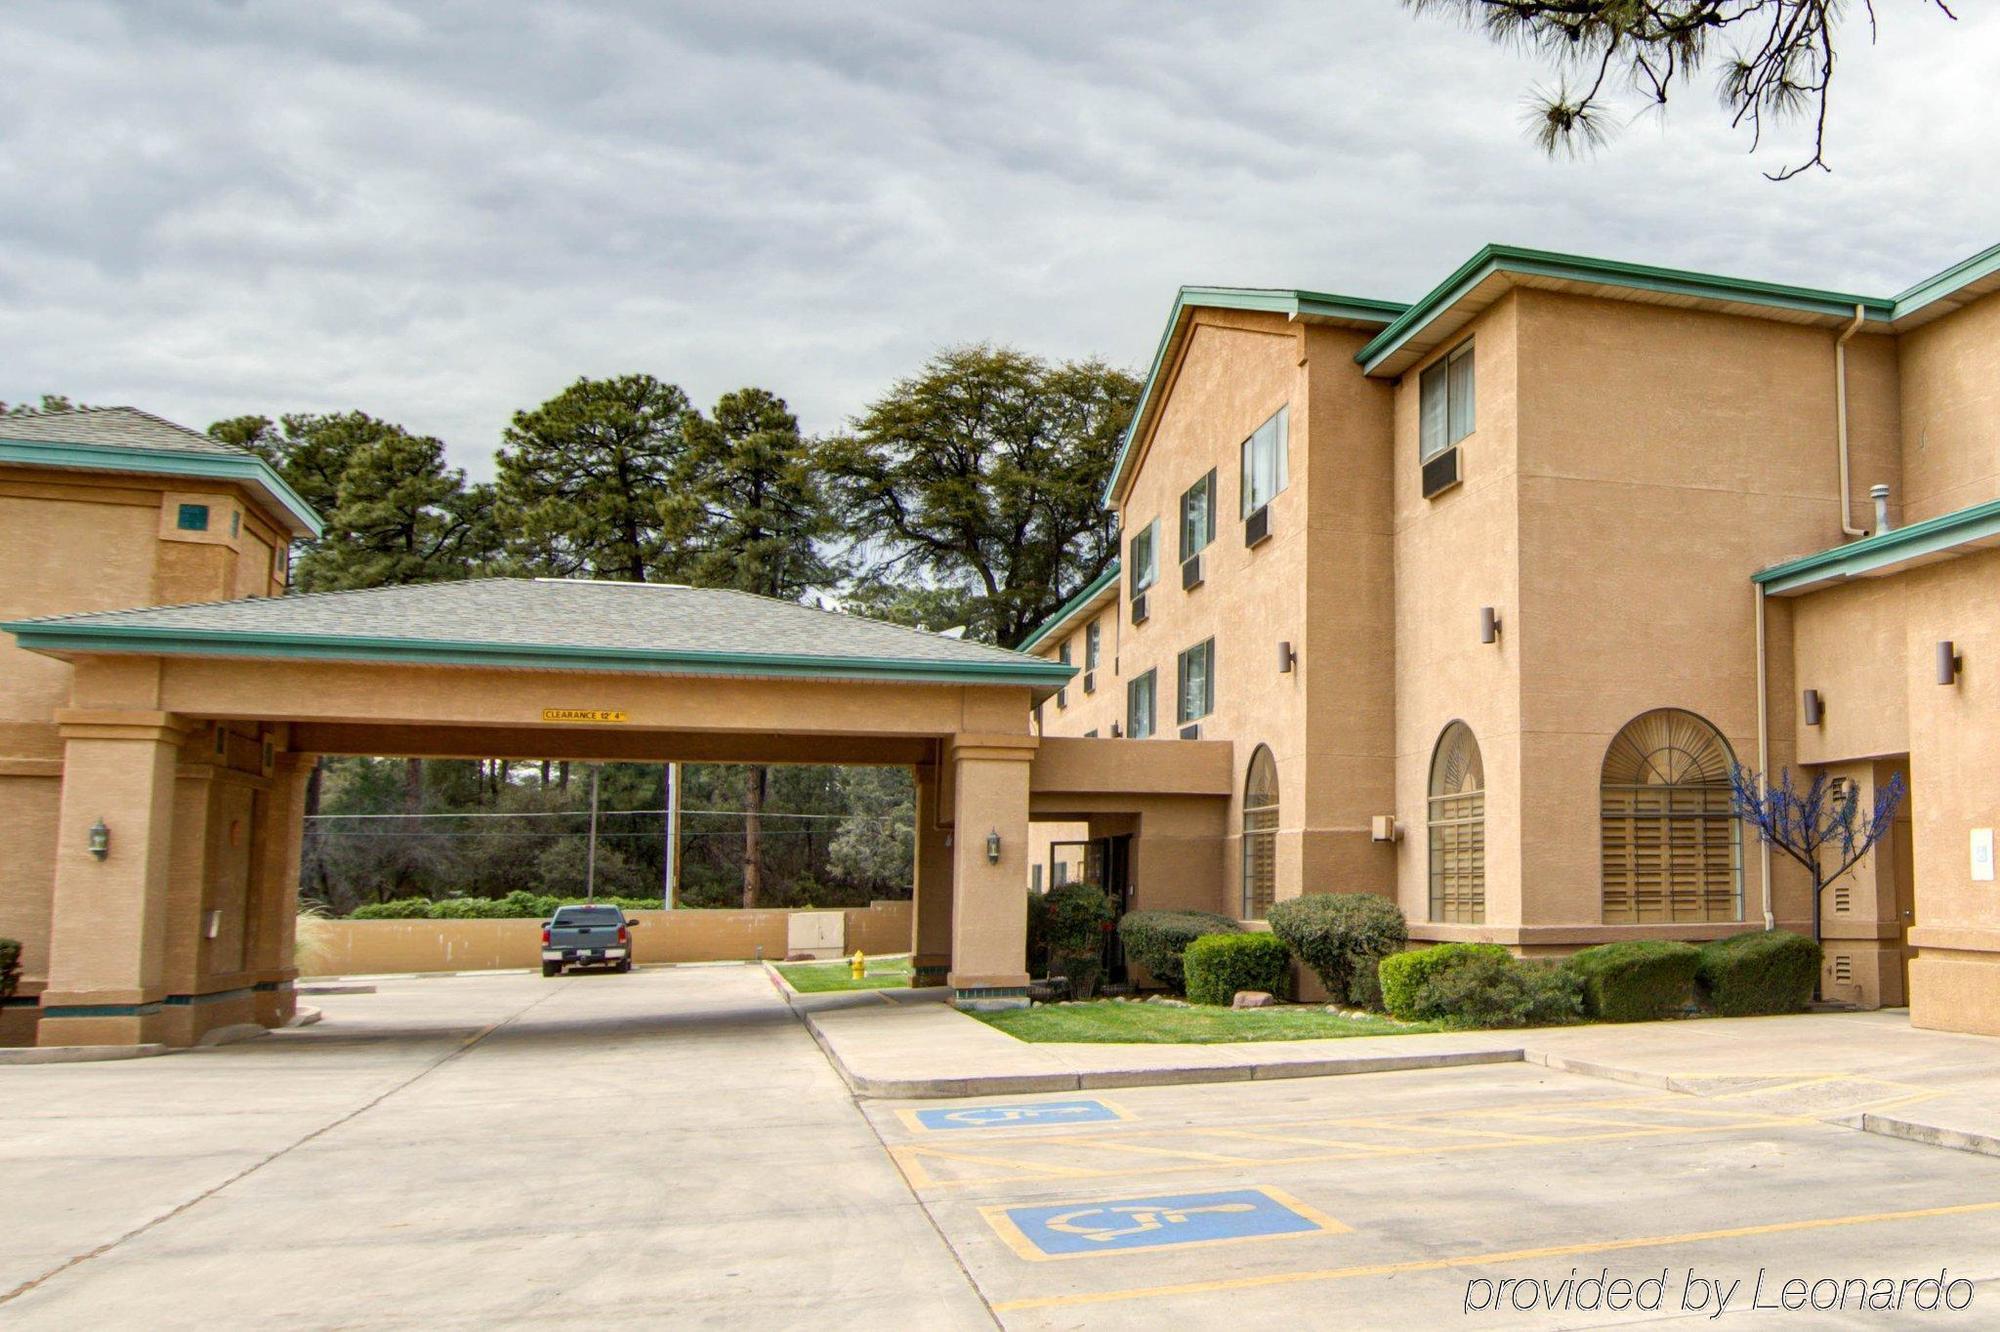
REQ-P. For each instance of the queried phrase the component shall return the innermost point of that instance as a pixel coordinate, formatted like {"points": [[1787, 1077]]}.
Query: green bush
{"points": [[1403, 974], [1766, 971], [1077, 916], [1156, 939], [1343, 937], [1640, 980], [1038, 933], [403, 908], [1489, 990], [1219, 965], [516, 905], [10, 966]]}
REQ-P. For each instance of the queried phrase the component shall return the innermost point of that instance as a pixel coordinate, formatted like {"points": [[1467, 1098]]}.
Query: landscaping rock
{"points": [[1168, 1000], [1251, 999]]}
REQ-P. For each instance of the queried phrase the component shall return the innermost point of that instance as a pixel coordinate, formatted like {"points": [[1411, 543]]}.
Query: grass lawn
{"points": [[1124, 1023], [884, 973]]}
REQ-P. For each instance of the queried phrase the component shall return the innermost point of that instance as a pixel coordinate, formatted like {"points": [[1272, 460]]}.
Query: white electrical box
{"points": [[822, 934]]}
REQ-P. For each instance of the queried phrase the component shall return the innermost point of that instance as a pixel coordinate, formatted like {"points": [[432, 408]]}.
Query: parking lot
{"points": [[671, 1147]]}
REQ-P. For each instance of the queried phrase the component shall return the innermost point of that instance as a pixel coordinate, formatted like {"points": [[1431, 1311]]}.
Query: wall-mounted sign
{"points": [[1982, 855], [581, 715]]}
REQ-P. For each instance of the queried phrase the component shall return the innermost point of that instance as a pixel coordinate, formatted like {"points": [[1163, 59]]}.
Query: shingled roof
{"points": [[125, 439], [552, 624]]}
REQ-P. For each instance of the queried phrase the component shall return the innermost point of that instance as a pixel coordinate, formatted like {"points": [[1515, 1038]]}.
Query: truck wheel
{"points": [[551, 968], [624, 964]]}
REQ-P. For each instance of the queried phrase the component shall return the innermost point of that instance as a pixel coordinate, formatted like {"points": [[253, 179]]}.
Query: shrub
{"points": [[1489, 990], [1038, 933], [1077, 916], [403, 908], [1639, 980], [1156, 939], [1766, 971], [10, 966], [1402, 974], [1219, 965], [1343, 937]]}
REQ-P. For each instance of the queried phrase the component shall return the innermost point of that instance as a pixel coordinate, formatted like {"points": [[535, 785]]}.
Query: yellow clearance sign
{"points": [[581, 715]]}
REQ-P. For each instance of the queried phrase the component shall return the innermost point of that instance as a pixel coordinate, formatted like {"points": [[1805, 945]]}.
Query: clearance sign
{"points": [[581, 715]]}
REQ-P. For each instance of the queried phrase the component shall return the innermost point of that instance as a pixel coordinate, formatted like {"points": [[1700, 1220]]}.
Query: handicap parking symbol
{"points": [[1121, 1225], [1026, 1114]]}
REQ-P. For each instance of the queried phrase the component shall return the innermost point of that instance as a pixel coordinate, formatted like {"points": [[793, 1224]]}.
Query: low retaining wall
{"points": [[373, 947]]}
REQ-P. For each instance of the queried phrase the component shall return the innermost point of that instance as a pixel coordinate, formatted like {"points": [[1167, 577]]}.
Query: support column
{"points": [[989, 914], [274, 888], [107, 932], [930, 925]]}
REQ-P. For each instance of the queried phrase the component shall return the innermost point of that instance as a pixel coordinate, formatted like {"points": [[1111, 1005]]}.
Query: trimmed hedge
{"points": [[10, 967], [514, 906], [1156, 939], [1343, 937], [1763, 972], [1403, 974], [1640, 980], [1219, 965], [1489, 990]]}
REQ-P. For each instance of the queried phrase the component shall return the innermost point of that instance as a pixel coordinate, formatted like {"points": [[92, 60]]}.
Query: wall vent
{"points": [[1191, 732], [1090, 682], [1257, 527], [1191, 572], [1139, 609], [1441, 473]]}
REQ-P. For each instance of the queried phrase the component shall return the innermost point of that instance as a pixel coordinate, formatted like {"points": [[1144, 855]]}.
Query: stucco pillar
{"points": [[274, 888], [989, 917], [107, 931], [930, 916]]}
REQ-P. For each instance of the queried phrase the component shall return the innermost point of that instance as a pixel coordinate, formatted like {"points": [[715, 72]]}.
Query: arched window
{"points": [[1260, 835], [1671, 850], [1458, 828]]}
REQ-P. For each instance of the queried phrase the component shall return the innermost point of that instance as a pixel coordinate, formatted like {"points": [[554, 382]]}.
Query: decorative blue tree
{"points": [[1812, 825]]}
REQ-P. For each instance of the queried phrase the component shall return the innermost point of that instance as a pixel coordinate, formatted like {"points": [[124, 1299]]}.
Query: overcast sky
{"points": [[440, 213]]}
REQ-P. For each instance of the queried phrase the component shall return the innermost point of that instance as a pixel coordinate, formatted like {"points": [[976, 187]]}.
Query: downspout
{"points": [[1763, 750], [1847, 527]]}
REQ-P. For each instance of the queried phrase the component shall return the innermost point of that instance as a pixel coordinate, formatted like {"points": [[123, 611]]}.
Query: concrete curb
{"points": [[1009, 1084], [1608, 1072], [334, 989], [78, 1054], [1957, 1140]]}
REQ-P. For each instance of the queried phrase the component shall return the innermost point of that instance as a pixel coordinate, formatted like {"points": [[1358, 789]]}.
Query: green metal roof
{"points": [[125, 439], [1380, 355], [550, 624], [1888, 552], [1109, 578], [1292, 303], [1981, 273]]}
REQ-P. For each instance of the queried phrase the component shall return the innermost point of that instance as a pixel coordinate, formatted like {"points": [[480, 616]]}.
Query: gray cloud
{"points": [[443, 212]]}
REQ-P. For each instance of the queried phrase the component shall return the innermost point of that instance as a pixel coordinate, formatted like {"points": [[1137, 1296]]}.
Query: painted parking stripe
{"points": [[1024, 1114], [1097, 1227]]}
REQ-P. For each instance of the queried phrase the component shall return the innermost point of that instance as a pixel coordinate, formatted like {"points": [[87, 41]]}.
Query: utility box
{"points": [[821, 934]]}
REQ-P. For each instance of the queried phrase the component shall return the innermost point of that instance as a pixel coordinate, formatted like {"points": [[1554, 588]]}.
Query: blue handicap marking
{"points": [[1024, 1114], [1122, 1224]]}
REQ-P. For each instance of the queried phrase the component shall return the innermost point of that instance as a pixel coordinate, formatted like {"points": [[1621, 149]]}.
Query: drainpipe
{"points": [[1763, 750], [1847, 527]]}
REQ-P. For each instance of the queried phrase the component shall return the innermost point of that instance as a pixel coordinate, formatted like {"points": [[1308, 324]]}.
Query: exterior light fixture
{"points": [[1815, 707], [1489, 625], [100, 840], [1949, 663], [1286, 658], [993, 847]]}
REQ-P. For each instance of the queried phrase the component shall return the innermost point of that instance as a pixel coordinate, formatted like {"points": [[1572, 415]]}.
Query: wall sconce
{"points": [[1116, 730], [100, 840], [1949, 663], [1815, 707], [993, 847], [1489, 625], [1286, 658]]}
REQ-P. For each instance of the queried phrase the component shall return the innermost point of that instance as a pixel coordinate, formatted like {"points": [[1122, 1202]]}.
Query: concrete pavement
{"points": [[666, 1147]]}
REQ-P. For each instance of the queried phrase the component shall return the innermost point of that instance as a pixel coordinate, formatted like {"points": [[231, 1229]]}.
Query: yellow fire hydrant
{"points": [[859, 967]]}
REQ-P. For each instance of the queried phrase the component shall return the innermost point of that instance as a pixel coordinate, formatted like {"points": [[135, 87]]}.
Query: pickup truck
{"points": [[587, 936]]}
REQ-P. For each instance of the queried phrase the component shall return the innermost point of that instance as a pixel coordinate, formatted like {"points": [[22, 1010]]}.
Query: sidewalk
{"points": [[1868, 1071]]}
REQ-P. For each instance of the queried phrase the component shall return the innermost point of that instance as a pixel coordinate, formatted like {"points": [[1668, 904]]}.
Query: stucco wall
{"points": [[379, 947], [1950, 374]]}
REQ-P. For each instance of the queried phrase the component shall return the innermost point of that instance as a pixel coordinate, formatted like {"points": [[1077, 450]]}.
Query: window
{"points": [[1197, 682], [1670, 847], [1139, 707], [1062, 692], [1091, 642], [1260, 834], [235, 522], [1445, 391], [1197, 517], [1266, 465], [1144, 558], [1035, 878], [192, 518], [1457, 818]]}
